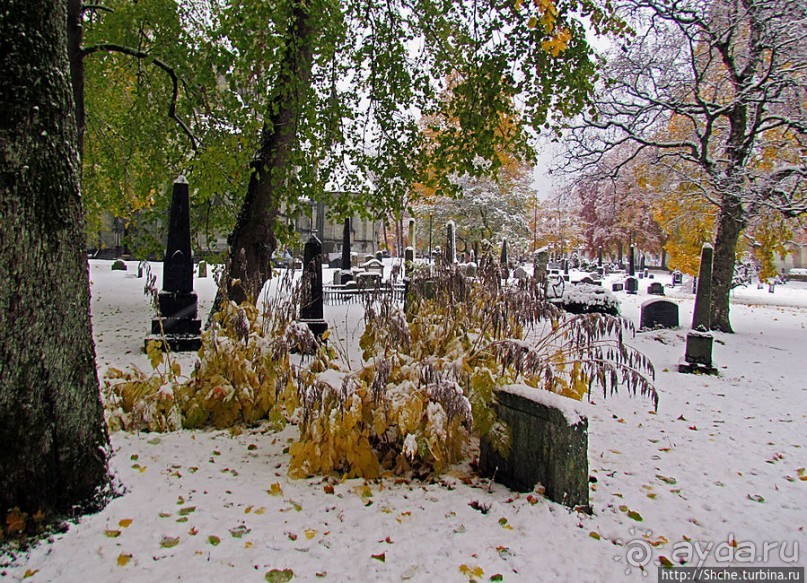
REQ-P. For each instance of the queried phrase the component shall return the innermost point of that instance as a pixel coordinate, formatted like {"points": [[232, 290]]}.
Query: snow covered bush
{"points": [[586, 298], [426, 386], [430, 374]]}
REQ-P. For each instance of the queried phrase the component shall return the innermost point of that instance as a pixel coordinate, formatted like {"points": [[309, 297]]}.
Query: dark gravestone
{"points": [[599, 257], [311, 311], [346, 275], [659, 314], [642, 264], [632, 261], [549, 446], [617, 287], [698, 356], [655, 289], [677, 277], [640, 275], [177, 301], [202, 267], [451, 244], [379, 255], [631, 285], [118, 265]]}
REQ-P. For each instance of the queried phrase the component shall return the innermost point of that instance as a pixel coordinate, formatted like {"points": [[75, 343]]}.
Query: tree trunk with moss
{"points": [[53, 457]]}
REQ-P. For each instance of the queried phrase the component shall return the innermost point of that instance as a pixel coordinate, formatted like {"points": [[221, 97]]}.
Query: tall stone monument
{"points": [[311, 304], [451, 244], [698, 356], [178, 323], [346, 273]]}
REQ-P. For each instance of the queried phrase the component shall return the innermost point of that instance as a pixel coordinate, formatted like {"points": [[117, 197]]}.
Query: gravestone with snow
{"points": [[178, 325], [655, 289], [311, 303], [698, 356], [409, 262], [658, 313], [549, 445]]}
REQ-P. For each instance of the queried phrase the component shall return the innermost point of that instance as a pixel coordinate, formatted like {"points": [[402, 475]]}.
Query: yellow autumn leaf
{"points": [[275, 490], [112, 533], [123, 559], [310, 533], [125, 523], [472, 571], [30, 573]]}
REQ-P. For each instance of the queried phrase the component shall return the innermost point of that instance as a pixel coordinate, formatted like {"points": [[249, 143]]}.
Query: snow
{"points": [[572, 410], [720, 461]]}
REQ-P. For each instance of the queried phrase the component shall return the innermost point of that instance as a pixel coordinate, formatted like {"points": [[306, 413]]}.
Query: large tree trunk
{"points": [[75, 34], [253, 241], [54, 441], [730, 224]]}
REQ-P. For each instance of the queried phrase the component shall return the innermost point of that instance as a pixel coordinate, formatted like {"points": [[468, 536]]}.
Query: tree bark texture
{"points": [[53, 439], [253, 240], [730, 224]]}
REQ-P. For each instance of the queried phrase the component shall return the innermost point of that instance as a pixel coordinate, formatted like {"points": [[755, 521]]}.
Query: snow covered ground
{"points": [[717, 472]]}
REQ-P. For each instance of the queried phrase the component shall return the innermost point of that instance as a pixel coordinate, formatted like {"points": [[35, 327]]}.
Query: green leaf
{"points": [[168, 542], [278, 576], [213, 540]]}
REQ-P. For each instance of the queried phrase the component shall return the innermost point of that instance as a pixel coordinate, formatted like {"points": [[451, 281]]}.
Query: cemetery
{"points": [[591, 456], [471, 291]]}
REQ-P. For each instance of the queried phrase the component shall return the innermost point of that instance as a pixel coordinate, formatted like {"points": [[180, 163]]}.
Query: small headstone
{"points": [[373, 265], [118, 265], [379, 255], [520, 273], [640, 275], [549, 446], [631, 285], [470, 269], [202, 269], [677, 277], [617, 286], [655, 289], [368, 280], [659, 314], [599, 257]]}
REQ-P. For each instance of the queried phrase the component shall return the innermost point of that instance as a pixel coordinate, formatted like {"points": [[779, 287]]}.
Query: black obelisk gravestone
{"points": [[346, 273], [178, 322], [698, 356]]}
